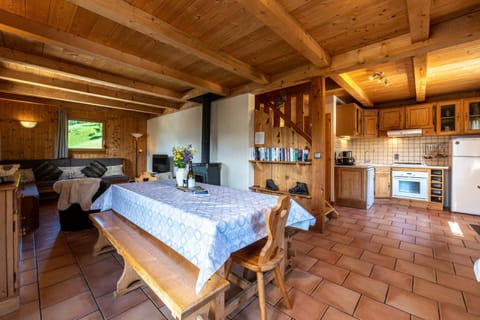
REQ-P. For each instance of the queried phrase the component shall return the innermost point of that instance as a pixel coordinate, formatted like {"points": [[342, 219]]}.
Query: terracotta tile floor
{"points": [[390, 262]]}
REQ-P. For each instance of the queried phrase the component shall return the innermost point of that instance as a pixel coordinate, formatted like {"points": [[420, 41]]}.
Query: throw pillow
{"points": [[96, 169], [27, 175], [116, 170], [71, 173], [47, 171]]}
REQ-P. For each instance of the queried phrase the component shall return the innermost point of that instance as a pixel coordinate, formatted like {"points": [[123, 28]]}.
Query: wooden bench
{"points": [[167, 273]]}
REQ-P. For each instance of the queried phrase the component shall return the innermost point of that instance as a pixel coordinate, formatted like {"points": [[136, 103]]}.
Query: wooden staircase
{"points": [[330, 211]]}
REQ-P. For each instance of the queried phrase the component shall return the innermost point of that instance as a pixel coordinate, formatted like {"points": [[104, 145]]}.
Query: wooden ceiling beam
{"points": [[279, 20], [419, 19], [347, 83], [85, 74], [47, 93], [130, 16], [86, 89], [446, 34], [337, 92], [193, 93], [420, 73], [30, 29], [28, 99]]}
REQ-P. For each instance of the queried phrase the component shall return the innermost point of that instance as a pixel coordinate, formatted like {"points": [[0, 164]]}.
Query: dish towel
{"points": [[476, 269]]}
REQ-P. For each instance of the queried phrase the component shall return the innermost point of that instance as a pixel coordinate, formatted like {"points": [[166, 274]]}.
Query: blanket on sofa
{"points": [[79, 191]]}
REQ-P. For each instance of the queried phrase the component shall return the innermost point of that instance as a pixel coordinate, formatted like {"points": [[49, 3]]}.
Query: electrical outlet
{"points": [[396, 156]]}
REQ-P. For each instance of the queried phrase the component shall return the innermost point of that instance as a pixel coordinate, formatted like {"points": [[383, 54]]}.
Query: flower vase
{"points": [[180, 174]]}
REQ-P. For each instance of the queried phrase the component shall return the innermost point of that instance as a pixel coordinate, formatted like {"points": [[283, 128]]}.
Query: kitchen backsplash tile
{"points": [[433, 150]]}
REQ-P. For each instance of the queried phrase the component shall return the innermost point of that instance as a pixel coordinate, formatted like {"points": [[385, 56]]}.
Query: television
{"points": [[161, 163]]}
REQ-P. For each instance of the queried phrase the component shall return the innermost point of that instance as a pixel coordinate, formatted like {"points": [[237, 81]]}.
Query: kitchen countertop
{"points": [[361, 166], [394, 165]]}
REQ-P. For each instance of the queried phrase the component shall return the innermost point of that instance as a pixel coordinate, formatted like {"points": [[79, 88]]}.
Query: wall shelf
{"points": [[283, 162], [265, 190]]}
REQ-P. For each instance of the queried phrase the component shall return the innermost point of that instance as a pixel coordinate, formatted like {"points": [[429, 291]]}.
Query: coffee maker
{"points": [[345, 158]]}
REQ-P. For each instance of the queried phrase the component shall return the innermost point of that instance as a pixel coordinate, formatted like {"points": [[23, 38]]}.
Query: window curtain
{"points": [[62, 147]]}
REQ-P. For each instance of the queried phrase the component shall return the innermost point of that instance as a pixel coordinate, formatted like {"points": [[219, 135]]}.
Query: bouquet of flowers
{"points": [[183, 155]]}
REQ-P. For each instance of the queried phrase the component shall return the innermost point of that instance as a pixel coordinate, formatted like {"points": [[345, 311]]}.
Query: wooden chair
{"points": [[266, 254], [146, 176]]}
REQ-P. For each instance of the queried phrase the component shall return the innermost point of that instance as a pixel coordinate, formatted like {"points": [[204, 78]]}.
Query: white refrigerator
{"points": [[466, 175]]}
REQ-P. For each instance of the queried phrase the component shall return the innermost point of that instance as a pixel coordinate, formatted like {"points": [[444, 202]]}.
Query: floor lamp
{"points": [[136, 136]]}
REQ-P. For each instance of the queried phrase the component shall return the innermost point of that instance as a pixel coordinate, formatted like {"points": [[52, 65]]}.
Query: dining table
{"points": [[204, 228]]}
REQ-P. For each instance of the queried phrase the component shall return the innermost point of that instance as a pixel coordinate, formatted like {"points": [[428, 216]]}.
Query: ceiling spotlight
{"points": [[380, 77], [377, 75]]}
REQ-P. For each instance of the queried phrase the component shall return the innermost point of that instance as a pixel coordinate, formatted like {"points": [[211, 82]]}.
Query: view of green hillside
{"points": [[84, 134]]}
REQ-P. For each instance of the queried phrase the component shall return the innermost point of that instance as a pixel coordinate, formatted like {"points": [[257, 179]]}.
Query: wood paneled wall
{"points": [[18, 142]]}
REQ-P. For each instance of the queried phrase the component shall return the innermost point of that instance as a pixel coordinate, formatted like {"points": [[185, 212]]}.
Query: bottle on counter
{"points": [[191, 177], [185, 182]]}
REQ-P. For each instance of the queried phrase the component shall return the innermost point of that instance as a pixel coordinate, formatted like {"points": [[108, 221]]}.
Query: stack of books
{"points": [[279, 154]]}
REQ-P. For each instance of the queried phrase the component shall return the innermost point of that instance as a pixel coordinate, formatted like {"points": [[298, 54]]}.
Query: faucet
{"points": [[365, 157]]}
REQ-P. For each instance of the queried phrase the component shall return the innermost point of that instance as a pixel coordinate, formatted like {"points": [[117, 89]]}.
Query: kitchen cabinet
{"points": [[391, 119], [370, 123], [354, 186], [471, 115], [419, 116], [411, 117], [383, 183], [448, 116], [349, 119], [10, 242]]}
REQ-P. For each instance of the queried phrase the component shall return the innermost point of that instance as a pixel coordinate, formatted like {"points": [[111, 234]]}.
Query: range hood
{"points": [[405, 133]]}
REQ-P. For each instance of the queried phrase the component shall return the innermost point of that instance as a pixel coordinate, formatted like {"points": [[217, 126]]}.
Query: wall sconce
{"points": [[136, 136], [28, 124], [380, 77]]}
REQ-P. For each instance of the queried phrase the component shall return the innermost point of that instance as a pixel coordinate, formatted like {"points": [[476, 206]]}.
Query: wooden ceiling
{"points": [[152, 56]]}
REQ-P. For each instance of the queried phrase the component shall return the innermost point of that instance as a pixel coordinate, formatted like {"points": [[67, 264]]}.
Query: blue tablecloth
{"points": [[204, 229]]}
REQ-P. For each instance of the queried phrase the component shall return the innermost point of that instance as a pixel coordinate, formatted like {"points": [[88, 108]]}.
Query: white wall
{"points": [[179, 128], [231, 135]]}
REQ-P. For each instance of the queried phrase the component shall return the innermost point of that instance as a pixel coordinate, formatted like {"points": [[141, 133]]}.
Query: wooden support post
{"points": [[317, 103]]}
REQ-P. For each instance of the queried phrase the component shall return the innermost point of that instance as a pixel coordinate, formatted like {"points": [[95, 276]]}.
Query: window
{"points": [[85, 135]]}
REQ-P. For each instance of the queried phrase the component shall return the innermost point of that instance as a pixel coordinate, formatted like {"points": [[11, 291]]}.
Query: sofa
{"points": [[38, 183], [70, 168]]}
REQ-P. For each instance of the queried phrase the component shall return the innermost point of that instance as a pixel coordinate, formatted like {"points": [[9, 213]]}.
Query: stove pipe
{"points": [[206, 107], [206, 101]]}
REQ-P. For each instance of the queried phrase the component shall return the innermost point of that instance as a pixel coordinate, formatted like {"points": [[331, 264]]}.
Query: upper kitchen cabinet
{"points": [[448, 116], [349, 119], [471, 115], [419, 116], [411, 117], [370, 123], [391, 119]]}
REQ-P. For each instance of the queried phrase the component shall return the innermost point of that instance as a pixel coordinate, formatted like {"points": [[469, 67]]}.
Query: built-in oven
{"points": [[410, 185]]}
